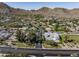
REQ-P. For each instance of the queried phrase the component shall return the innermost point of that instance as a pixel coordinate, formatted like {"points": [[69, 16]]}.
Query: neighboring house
{"points": [[4, 34], [52, 36]]}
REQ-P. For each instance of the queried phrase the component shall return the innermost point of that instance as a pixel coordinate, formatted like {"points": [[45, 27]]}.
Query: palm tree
{"points": [[56, 26]]}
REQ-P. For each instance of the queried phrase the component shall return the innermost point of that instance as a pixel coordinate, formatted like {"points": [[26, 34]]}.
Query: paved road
{"points": [[39, 51]]}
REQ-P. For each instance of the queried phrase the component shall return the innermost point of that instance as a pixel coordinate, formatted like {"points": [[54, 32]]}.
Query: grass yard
{"points": [[23, 45], [49, 46], [74, 37]]}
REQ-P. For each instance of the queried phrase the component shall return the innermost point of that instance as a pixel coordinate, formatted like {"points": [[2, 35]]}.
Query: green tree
{"points": [[62, 38], [20, 36], [31, 37], [56, 26], [35, 38]]}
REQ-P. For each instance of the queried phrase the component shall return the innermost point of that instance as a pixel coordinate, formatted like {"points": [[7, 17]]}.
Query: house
{"points": [[52, 36], [4, 34]]}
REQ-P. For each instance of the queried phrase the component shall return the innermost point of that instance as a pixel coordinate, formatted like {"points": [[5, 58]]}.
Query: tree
{"points": [[35, 36], [56, 26], [31, 38], [20, 36], [62, 38]]}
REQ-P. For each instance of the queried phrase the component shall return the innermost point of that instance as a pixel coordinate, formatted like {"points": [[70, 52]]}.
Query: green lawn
{"points": [[74, 37], [23, 45], [50, 46]]}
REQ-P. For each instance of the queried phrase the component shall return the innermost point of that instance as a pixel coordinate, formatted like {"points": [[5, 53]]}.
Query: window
{"points": [[48, 36]]}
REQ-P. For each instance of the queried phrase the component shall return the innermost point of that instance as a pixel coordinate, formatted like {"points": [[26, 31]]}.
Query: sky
{"points": [[37, 5]]}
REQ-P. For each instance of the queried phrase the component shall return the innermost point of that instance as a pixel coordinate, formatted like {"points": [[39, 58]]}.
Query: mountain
{"points": [[4, 8], [3, 5], [46, 11], [59, 12]]}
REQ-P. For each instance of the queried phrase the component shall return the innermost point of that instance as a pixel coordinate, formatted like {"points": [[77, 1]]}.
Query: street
{"points": [[40, 51]]}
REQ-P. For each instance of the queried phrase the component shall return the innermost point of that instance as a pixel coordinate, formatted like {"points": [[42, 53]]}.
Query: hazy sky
{"points": [[37, 5]]}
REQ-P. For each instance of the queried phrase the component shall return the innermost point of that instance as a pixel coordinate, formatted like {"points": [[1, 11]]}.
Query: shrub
{"points": [[51, 42], [20, 36]]}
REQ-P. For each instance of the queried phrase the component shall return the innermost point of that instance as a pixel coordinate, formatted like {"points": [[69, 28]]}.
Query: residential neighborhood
{"points": [[42, 29]]}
